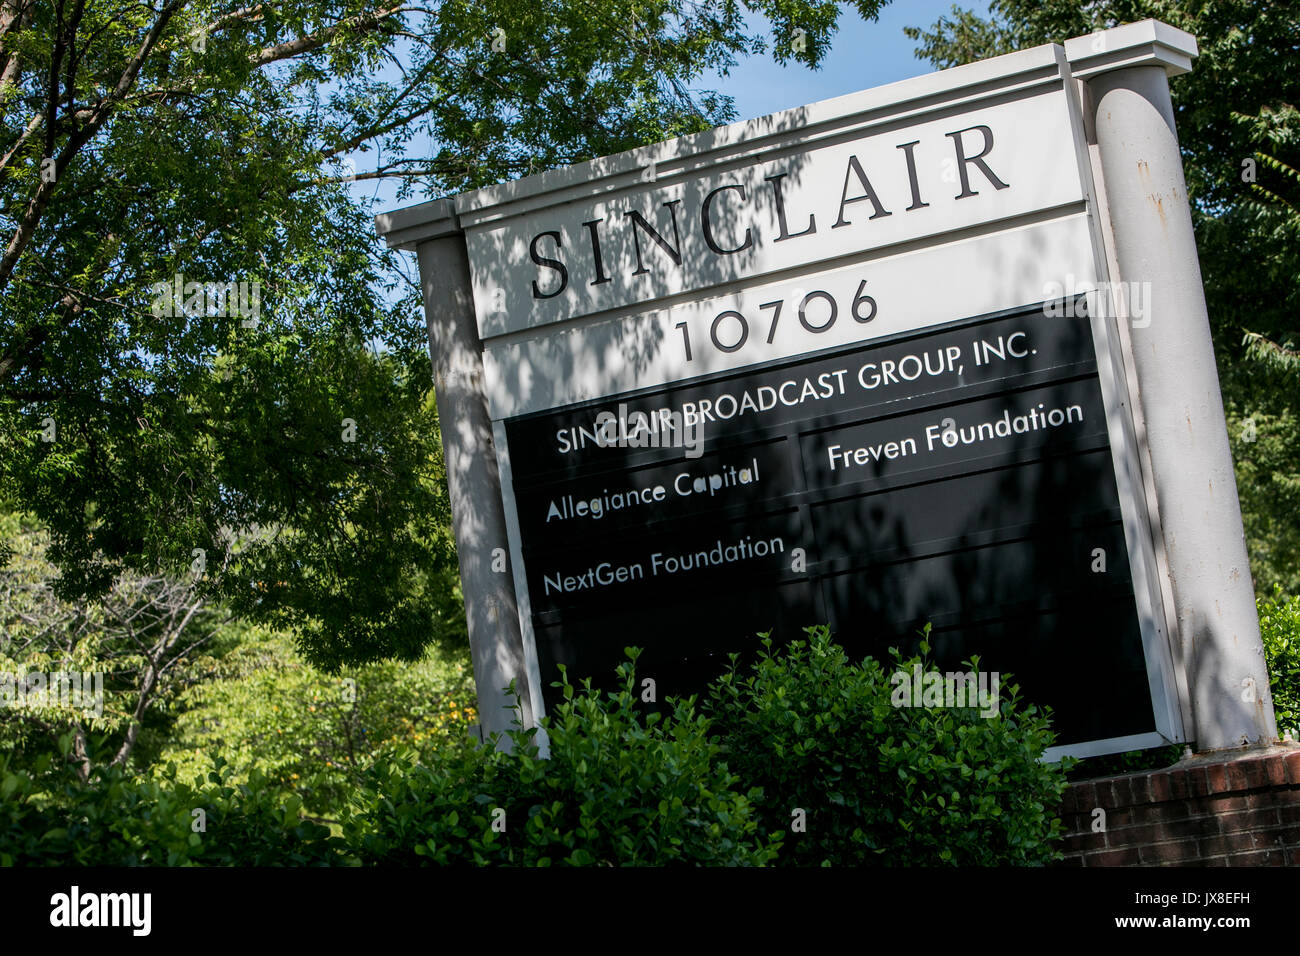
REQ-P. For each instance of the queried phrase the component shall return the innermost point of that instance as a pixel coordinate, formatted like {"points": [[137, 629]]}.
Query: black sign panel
{"points": [[960, 476]]}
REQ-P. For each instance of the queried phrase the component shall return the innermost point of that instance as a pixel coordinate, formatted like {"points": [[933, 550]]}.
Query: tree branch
{"points": [[32, 126], [374, 131], [282, 51], [36, 207]]}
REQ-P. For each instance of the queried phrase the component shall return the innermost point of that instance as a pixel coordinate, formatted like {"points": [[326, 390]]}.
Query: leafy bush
{"points": [[880, 784], [115, 820], [621, 787], [310, 732], [1279, 625]]}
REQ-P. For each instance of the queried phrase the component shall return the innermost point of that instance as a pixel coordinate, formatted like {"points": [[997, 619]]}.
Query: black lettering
{"points": [[780, 212], [911, 175], [595, 251], [869, 193], [548, 263], [707, 224], [674, 252], [978, 159]]}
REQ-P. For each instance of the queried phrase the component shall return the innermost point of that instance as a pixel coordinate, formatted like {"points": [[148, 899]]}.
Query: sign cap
{"points": [[1145, 43]]}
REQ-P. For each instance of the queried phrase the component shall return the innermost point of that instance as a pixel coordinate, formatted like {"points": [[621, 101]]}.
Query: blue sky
{"points": [[864, 54]]}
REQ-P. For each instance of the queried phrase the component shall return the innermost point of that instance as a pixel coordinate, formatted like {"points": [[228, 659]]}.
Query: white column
{"points": [[473, 480], [1125, 71]]}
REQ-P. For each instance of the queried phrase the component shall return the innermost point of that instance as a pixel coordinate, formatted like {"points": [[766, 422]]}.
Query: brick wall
{"points": [[1206, 811]]}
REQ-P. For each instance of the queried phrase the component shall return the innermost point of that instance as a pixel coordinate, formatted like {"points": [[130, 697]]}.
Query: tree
{"points": [[1240, 134], [264, 710], [142, 641], [201, 334]]}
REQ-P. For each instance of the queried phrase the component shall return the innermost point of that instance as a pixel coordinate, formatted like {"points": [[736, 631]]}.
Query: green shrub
{"points": [[115, 820], [877, 784], [310, 732], [621, 788], [880, 784], [1279, 625]]}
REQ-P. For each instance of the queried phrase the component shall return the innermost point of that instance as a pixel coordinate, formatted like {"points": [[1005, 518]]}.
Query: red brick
{"points": [[1072, 822], [1178, 785], [1159, 787], [1083, 820], [1238, 777], [1269, 840], [1228, 843], [1217, 776], [1293, 767], [1248, 820], [1266, 799], [1081, 794], [1121, 839], [1173, 830], [1104, 794], [1084, 842], [1132, 790], [1276, 768], [1260, 858], [1181, 810], [1247, 810], [1223, 804], [1126, 857], [1151, 788], [1085, 795], [1177, 852], [1122, 818], [1256, 772], [1195, 827]]}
